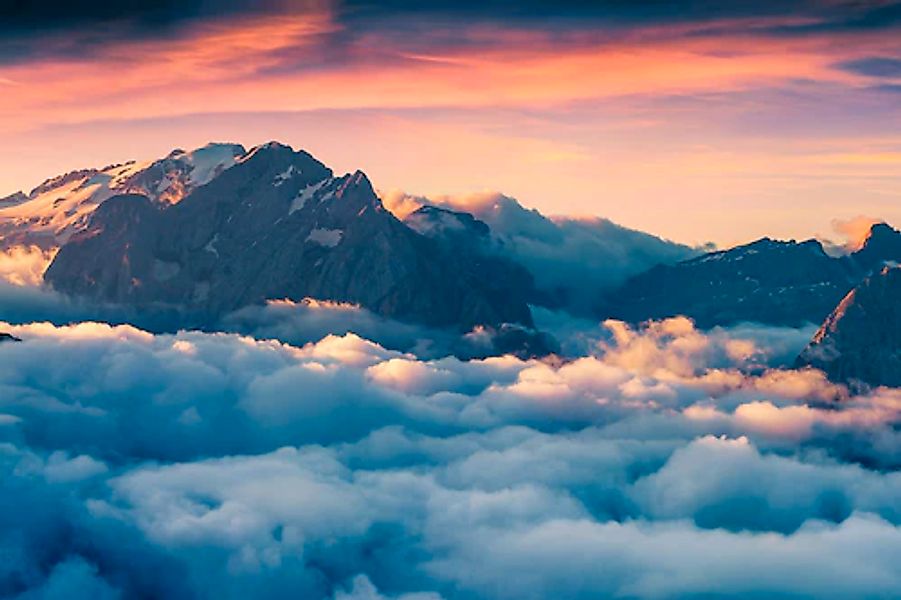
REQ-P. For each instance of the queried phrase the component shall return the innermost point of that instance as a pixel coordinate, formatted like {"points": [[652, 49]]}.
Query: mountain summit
{"points": [[883, 243], [279, 224]]}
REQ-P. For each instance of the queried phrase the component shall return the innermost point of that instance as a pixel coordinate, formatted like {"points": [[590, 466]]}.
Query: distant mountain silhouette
{"points": [[767, 281]]}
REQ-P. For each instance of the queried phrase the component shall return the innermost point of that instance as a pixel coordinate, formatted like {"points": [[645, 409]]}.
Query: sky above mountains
{"points": [[706, 121]]}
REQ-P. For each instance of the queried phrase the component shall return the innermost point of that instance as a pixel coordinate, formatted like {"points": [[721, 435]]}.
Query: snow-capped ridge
{"points": [[268, 146], [13, 199], [61, 206]]}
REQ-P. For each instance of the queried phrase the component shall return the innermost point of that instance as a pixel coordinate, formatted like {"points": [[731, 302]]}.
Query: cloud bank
{"points": [[574, 261], [668, 462], [24, 265]]}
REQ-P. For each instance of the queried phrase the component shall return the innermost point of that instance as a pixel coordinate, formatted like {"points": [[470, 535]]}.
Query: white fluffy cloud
{"points": [[666, 462], [24, 265]]}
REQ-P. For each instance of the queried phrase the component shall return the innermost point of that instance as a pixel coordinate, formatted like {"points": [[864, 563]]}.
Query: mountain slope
{"points": [[13, 200], [61, 206], [861, 339], [767, 281], [277, 224], [468, 241]]}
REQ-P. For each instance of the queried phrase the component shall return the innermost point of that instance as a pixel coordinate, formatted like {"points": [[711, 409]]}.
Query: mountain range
{"points": [[220, 228], [783, 283], [279, 224]]}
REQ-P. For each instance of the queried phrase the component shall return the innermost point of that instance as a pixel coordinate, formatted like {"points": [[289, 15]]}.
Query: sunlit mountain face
{"points": [[460, 301]]}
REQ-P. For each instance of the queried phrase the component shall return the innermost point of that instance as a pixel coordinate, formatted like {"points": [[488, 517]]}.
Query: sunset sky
{"points": [[714, 121]]}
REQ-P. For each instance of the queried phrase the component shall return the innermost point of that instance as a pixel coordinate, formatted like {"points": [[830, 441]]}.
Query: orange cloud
{"points": [[854, 230], [618, 102], [284, 63]]}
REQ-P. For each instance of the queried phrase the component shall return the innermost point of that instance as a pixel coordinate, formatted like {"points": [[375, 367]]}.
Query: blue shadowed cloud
{"points": [[32, 30], [874, 66]]}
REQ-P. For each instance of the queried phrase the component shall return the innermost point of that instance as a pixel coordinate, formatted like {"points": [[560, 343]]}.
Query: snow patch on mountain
{"points": [[58, 208], [212, 159], [306, 194], [325, 237], [211, 245], [286, 175]]}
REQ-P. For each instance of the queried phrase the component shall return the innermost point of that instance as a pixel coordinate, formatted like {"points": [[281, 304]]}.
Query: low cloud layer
{"points": [[574, 261], [666, 462]]}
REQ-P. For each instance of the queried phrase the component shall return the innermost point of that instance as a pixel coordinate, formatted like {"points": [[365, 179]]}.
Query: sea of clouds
{"points": [[314, 450], [663, 462]]}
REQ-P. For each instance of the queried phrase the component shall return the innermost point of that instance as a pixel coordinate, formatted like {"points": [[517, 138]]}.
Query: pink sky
{"points": [[722, 132]]}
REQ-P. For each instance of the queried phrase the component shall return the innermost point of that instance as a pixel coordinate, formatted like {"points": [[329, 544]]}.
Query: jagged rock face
{"points": [[276, 225], [861, 340], [767, 281], [882, 244]]}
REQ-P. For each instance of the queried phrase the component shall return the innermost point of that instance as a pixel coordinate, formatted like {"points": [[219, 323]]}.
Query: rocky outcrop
{"points": [[883, 244], [860, 341]]}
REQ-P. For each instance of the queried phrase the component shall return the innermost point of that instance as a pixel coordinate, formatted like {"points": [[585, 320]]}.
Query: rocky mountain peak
{"points": [[355, 191], [440, 222], [882, 244], [267, 152], [860, 341]]}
